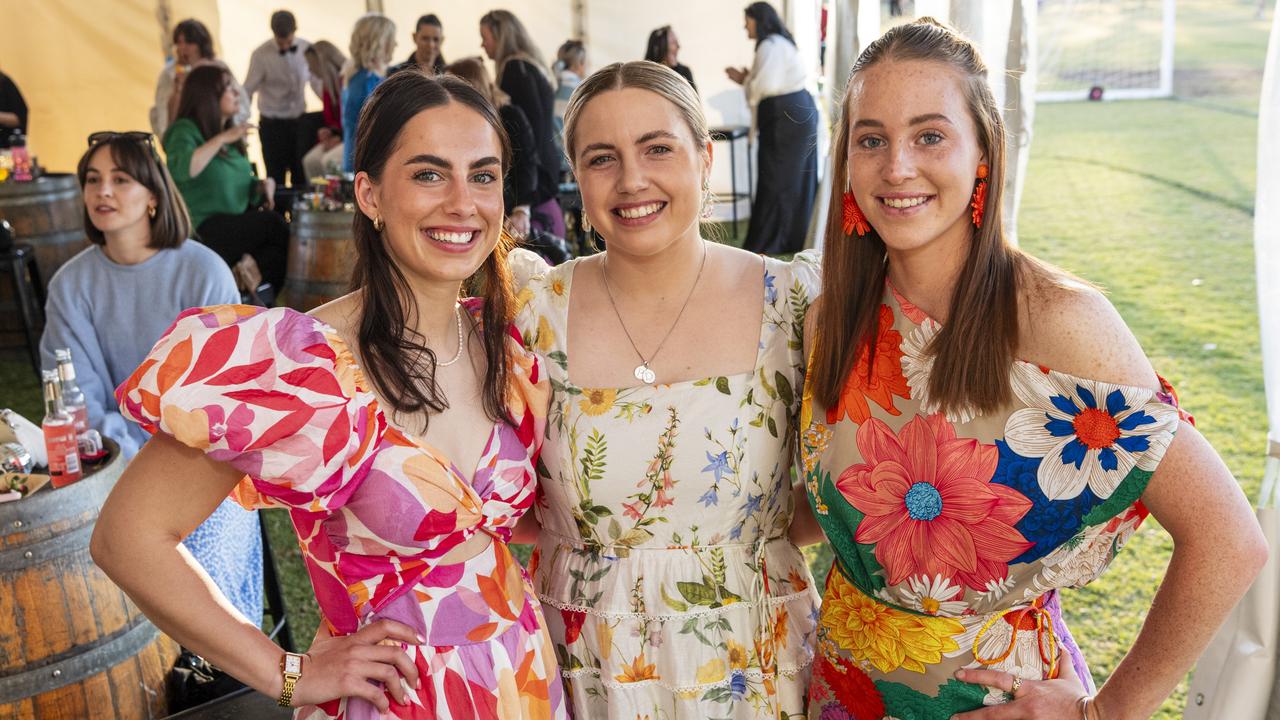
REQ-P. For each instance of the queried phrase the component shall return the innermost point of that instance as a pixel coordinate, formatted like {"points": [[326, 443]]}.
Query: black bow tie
{"points": [[292, 49]]}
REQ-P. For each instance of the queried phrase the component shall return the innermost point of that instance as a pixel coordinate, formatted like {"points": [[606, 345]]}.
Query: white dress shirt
{"points": [[279, 80], [778, 70]]}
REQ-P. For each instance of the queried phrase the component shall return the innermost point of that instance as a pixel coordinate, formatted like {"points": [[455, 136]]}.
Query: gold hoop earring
{"points": [[378, 223], [151, 211], [586, 224]]}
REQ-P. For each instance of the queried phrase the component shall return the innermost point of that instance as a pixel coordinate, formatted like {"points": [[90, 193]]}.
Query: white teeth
{"points": [[453, 238], [642, 211], [904, 202]]}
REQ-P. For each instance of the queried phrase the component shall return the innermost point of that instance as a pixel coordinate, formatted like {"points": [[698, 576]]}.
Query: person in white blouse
{"points": [[192, 47], [785, 120]]}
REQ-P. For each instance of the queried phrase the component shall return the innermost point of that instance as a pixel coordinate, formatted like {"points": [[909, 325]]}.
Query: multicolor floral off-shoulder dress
{"points": [[277, 395], [953, 534]]}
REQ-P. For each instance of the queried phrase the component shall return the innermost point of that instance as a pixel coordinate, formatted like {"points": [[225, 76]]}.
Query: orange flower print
{"points": [[931, 508], [637, 671], [880, 383]]}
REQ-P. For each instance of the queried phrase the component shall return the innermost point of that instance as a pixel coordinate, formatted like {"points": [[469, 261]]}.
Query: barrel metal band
{"points": [[20, 557], [105, 654]]}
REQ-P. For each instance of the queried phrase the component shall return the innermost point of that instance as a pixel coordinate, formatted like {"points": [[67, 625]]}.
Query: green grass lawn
{"points": [[1152, 201]]}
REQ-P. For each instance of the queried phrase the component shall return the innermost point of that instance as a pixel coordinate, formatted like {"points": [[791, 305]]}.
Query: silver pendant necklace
{"points": [[643, 372]]}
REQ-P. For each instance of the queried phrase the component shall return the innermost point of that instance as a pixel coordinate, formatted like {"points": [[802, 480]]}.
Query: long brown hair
{"points": [[973, 351], [513, 42], [201, 101], [395, 356]]}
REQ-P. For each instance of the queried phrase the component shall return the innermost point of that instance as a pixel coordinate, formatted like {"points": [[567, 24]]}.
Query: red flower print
{"points": [[853, 688], [573, 620], [881, 383], [930, 506]]}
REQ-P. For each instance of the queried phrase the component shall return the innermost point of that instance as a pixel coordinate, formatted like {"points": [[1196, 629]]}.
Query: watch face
{"points": [[293, 663]]}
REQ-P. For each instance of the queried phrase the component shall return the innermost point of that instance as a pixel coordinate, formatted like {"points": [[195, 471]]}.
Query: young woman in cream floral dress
{"points": [[670, 584]]}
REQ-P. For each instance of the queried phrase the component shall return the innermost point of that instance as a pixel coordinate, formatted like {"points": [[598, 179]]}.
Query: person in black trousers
{"points": [[278, 74], [786, 123]]}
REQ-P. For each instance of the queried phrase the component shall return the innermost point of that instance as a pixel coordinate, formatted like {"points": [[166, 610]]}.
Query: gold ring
{"points": [[1017, 684]]}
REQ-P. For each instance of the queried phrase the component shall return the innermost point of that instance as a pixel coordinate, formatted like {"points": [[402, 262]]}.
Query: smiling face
{"points": [[640, 170], [913, 153], [440, 194], [427, 41], [116, 201]]}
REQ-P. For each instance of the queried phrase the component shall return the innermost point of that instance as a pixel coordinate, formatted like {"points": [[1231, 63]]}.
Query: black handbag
{"points": [[193, 681]]}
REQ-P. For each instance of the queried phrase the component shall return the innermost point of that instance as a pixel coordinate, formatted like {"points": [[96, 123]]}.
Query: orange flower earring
{"points": [[854, 220], [979, 202]]}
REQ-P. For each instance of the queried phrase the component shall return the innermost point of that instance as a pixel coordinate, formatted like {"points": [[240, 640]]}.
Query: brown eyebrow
{"points": [[927, 117], [438, 161], [651, 135]]}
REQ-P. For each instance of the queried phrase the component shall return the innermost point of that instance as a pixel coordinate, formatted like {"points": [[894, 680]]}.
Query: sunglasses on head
{"points": [[135, 135]]}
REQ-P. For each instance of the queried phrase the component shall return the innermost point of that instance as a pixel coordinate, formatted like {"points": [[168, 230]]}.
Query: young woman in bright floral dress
{"points": [[397, 425], [981, 430], [664, 565]]}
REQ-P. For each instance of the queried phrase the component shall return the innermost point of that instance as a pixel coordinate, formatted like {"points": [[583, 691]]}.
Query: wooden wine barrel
{"points": [[72, 645], [321, 256], [49, 214]]}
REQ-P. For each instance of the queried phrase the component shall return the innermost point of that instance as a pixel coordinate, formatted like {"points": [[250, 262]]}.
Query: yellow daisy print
{"points": [[887, 638], [597, 401], [546, 337]]}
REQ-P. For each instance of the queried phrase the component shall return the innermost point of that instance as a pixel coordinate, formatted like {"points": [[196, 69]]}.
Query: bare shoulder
{"points": [[1070, 326], [736, 265], [341, 314]]}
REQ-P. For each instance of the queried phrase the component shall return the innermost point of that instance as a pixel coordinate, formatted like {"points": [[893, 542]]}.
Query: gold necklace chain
{"points": [[643, 372]]}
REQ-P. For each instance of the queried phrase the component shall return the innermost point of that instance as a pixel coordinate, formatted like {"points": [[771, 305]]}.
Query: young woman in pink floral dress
{"points": [[981, 430], [397, 425]]}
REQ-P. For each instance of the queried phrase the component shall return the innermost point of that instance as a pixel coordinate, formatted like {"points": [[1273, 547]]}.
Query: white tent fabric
{"points": [[1236, 676]]}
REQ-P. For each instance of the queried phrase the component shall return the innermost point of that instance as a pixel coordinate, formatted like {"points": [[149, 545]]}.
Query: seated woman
{"points": [[206, 156], [398, 426], [114, 299], [325, 157], [192, 47], [663, 48], [372, 42]]}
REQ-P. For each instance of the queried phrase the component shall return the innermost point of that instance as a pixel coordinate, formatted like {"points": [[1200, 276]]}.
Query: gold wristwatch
{"points": [[291, 669]]}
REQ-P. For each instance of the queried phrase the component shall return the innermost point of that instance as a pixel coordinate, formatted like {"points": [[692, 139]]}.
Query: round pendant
{"points": [[644, 374]]}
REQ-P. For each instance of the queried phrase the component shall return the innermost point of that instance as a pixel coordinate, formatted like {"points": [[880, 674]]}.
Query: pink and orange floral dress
{"points": [[277, 395], [953, 534]]}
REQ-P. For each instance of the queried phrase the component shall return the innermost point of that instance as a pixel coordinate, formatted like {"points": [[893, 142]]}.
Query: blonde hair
{"points": [[472, 70], [326, 61], [642, 75], [512, 42], [371, 43]]}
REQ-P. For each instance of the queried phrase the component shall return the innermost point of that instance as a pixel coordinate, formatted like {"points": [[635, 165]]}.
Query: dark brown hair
{"points": [[201, 101], [395, 356], [137, 158], [973, 351], [283, 24], [194, 32], [473, 70]]}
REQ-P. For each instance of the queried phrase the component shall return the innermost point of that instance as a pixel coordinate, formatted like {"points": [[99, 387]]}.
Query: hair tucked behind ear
{"points": [[395, 357]]}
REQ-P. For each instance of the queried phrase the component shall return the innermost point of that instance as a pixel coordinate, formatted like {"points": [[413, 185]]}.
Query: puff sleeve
{"points": [[270, 392]]}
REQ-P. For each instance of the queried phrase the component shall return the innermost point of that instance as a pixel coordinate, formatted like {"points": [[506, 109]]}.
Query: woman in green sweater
{"points": [[231, 209]]}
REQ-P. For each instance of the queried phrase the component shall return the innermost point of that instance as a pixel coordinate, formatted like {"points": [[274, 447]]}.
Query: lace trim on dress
{"points": [[754, 673], [769, 602]]}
